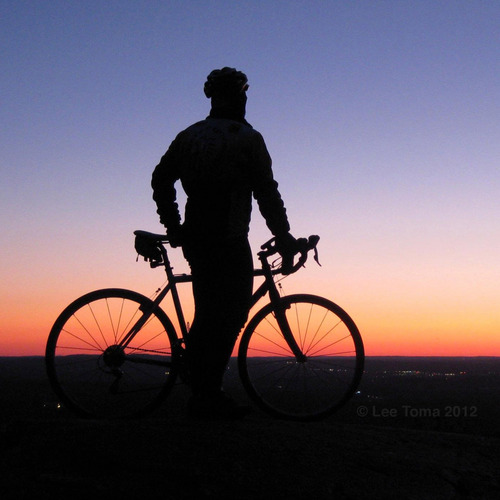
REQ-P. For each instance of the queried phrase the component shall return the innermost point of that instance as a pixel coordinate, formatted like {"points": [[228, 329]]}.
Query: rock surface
{"points": [[47, 453]]}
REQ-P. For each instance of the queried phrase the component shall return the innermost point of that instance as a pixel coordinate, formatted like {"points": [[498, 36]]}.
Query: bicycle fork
{"points": [[282, 320], [280, 309]]}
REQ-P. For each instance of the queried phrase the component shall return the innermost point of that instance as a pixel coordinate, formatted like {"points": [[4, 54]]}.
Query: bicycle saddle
{"points": [[152, 237]]}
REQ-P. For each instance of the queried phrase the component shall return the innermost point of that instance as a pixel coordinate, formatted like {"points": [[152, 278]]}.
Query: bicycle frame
{"points": [[267, 287]]}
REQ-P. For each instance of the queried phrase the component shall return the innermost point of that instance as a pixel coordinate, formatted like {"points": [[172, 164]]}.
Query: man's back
{"points": [[216, 171], [220, 163]]}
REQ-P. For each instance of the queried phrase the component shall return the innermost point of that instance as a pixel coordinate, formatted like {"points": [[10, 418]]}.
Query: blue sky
{"points": [[381, 118]]}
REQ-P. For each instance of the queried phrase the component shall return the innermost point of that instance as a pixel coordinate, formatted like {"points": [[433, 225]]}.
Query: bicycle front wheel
{"points": [[309, 384], [93, 373]]}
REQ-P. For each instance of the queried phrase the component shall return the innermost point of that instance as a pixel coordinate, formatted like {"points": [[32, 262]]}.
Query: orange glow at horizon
{"points": [[406, 332], [398, 312]]}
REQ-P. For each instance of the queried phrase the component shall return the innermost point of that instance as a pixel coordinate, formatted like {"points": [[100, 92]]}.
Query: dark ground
{"points": [[407, 446]]}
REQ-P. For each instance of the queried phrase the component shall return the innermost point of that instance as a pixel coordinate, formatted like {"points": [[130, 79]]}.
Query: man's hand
{"points": [[287, 247], [175, 237]]}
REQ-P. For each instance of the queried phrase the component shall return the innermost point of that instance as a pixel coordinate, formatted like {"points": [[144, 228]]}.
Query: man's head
{"points": [[227, 88], [226, 83]]}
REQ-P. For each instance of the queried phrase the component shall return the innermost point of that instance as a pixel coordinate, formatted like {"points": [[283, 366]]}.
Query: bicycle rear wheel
{"points": [[321, 381], [92, 374]]}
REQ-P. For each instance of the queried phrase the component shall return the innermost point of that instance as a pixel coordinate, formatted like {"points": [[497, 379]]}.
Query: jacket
{"points": [[221, 164]]}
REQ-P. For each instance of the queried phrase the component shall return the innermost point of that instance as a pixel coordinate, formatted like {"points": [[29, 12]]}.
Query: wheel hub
{"points": [[302, 358], [114, 356]]}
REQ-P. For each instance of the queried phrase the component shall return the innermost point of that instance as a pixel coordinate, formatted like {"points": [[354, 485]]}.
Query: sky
{"points": [[382, 119]]}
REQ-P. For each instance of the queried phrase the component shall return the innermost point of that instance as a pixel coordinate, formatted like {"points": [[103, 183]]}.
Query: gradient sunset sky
{"points": [[382, 119]]}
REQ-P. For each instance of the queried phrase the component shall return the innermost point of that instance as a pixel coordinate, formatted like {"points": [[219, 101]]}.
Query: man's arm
{"points": [[164, 177], [271, 205], [265, 191]]}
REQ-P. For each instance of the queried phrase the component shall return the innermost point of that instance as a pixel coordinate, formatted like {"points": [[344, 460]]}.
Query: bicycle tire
{"points": [[94, 378], [307, 389]]}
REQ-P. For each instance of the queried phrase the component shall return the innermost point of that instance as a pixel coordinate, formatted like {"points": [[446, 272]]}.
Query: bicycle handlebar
{"points": [[304, 245], [151, 247]]}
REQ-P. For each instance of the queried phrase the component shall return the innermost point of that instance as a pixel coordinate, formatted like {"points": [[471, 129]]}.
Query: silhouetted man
{"points": [[221, 162]]}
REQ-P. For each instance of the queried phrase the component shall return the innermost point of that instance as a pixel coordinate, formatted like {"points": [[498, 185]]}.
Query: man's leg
{"points": [[222, 288]]}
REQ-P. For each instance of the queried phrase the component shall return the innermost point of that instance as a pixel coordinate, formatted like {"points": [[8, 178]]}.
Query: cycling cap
{"points": [[225, 82]]}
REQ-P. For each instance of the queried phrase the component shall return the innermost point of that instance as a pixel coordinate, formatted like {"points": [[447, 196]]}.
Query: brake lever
{"points": [[313, 244], [316, 256]]}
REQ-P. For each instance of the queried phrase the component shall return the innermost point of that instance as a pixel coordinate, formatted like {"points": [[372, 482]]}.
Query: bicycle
{"points": [[115, 353]]}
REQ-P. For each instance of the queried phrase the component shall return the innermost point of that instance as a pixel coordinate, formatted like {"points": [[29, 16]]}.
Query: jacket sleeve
{"points": [[165, 175], [265, 190]]}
